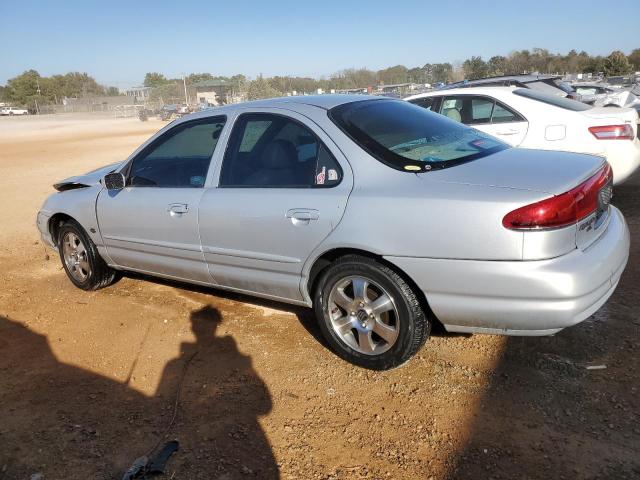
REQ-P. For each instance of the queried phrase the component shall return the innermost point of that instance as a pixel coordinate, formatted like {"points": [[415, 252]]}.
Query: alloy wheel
{"points": [[363, 315], [75, 257]]}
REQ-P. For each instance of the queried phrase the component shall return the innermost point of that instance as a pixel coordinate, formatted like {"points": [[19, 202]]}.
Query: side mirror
{"points": [[114, 181]]}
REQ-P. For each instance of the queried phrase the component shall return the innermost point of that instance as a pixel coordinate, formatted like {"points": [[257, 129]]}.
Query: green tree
{"points": [[23, 89], [475, 68], [154, 79], [594, 65], [634, 59], [393, 75], [497, 65], [198, 77], [260, 88], [616, 64]]}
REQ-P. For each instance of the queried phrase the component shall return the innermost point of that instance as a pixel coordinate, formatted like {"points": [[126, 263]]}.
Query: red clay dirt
{"points": [[88, 380]]}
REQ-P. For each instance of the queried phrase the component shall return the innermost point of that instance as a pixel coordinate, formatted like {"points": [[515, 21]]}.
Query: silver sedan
{"points": [[382, 216]]}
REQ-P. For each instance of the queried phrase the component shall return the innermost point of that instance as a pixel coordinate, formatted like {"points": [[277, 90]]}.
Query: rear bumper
{"points": [[526, 297], [624, 158]]}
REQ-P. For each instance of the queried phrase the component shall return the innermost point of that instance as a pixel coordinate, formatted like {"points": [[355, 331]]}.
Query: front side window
{"points": [[180, 158], [408, 137], [273, 151]]}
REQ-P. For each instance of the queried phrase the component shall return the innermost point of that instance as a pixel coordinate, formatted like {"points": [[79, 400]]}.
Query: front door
{"points": [[152, 224], [281, 191]]}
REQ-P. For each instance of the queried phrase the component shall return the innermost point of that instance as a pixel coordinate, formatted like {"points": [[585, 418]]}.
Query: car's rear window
{"points": [[554, 100], [409, 137]]}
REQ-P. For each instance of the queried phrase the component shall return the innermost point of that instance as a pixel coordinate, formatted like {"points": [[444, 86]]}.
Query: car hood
{"points": [[91, 178], [523, 169]]}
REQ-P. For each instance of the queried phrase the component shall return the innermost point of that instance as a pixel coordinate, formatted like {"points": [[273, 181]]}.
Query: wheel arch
{"points": [[323, 261], [55, 222]]}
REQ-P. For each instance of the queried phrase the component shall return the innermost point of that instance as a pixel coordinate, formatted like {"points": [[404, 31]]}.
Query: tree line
{"points": [[30, 86]]}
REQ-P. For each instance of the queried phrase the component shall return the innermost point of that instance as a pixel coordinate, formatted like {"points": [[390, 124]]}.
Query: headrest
{"points": [[278, 155]]}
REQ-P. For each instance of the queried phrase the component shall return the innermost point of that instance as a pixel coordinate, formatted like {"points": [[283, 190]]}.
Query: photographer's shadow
{"points": [[221, 400], [68, 422]]}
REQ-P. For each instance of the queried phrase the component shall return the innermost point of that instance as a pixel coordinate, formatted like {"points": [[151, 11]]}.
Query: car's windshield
{"points": [[408, 137], [554, 100]]}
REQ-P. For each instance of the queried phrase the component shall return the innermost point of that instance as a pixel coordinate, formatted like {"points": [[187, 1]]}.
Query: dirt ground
{"points": [[88, 380]]}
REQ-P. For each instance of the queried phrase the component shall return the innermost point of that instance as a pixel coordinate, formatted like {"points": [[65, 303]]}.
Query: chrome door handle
{"points": [[177, 209], [302, 215]]}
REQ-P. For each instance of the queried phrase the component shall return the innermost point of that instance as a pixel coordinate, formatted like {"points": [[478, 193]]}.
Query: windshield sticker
{"points": [[320, 177], [333, 175], [412, 168]]}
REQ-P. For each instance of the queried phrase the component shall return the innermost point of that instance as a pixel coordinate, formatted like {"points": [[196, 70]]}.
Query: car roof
{"points": [[490, 90], [322, 101], [504, 79]]}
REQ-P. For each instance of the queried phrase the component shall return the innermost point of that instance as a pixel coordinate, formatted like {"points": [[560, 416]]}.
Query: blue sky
{"points": [[117, 42]]}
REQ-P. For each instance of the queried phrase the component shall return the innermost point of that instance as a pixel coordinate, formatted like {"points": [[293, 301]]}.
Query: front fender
{"points": [[79, 204]]}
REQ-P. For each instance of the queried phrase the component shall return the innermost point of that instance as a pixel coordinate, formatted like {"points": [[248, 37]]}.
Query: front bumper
{"points": [[523, 297], [42, 222]]}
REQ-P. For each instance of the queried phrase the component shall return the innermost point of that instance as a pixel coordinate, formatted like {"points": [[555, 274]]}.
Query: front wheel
{"points": [[368, 313], [80, 258]]}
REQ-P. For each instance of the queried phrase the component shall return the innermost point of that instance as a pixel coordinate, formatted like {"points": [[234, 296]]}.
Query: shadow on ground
{"points": [[545, 415], [216, 423]]}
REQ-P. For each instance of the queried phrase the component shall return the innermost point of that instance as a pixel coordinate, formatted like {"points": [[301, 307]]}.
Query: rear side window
{"points": [[274, 151], [407, 137], [502, 114], [560, 102], [477, 110], [180, 158]]}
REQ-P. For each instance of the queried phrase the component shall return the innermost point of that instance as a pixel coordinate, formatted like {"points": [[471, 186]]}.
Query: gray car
{"points": [[382, 216]]}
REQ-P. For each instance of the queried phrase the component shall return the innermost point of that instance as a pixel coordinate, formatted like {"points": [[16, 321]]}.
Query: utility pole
{"points": [[184, 82], [36, 100]]}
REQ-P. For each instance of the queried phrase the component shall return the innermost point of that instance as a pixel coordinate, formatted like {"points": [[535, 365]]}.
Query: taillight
{"points": [[612, 132], [561, 210]]}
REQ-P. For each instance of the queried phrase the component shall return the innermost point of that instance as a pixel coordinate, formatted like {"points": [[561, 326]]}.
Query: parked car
{"points": [[382, 216], [550, 84], [533, 119], [168, 111], [13, 111], [601, 95]]}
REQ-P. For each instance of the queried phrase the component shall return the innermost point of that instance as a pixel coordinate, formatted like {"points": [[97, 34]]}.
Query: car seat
{"points": [[276, 165], [453, 114]]}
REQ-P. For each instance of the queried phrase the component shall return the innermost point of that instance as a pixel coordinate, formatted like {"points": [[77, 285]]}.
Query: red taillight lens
{"points": [[612, 132], [561, 210]]}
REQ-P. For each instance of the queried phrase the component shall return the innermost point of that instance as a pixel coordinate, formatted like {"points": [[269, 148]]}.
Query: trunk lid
{"points": [[541, 171], [612, 116]]}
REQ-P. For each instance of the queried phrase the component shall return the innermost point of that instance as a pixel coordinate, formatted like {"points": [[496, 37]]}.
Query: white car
{"points": [[13, 111], [531, 119]]}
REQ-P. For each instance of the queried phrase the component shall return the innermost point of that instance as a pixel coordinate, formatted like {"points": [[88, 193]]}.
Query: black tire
{"points": [[99, 274], [413, 326]]}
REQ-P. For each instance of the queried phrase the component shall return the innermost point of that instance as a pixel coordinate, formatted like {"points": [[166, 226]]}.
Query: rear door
{"points": [[488, 115], [152, 224], [282, 188]]}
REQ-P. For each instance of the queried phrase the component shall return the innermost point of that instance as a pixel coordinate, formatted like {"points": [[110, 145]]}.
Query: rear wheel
{"points": [[80, 258], [368, 313]]}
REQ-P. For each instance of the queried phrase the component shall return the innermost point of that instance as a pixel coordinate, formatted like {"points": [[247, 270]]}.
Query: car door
{"points": [[282, 188], [488, 115], [152, 224]]}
